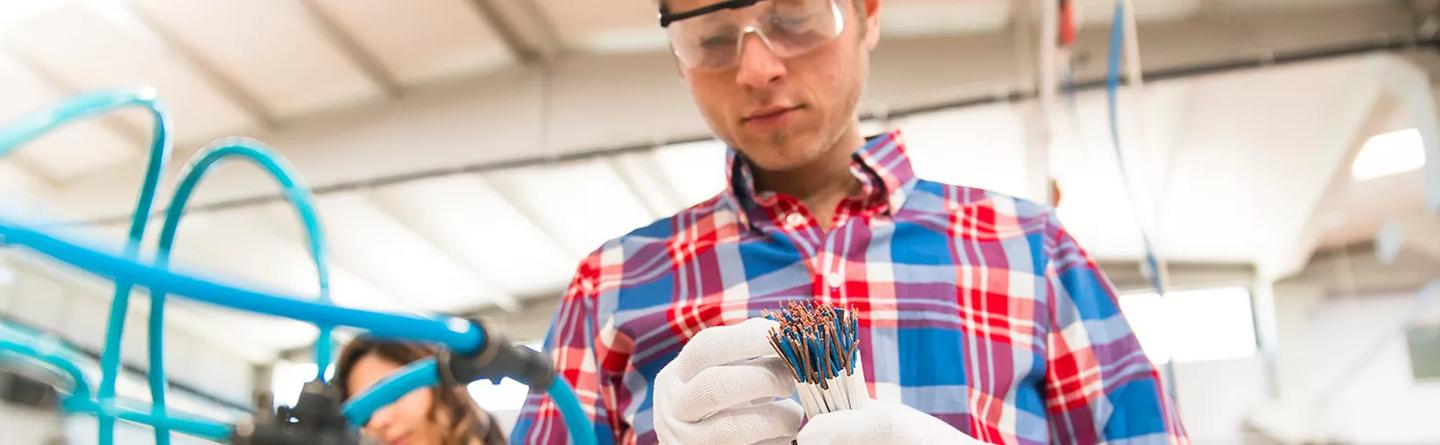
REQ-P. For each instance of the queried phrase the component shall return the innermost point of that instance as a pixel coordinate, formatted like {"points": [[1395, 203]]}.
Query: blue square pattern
{"points": [[1088, 293], [917, 244], [930, 356]]}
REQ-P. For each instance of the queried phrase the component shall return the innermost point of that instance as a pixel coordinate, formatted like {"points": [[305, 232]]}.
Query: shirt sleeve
{"points": [[1100, 386], [571, 344]]}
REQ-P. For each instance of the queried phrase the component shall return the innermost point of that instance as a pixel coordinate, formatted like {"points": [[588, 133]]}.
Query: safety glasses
{"points": [[710, 37]]}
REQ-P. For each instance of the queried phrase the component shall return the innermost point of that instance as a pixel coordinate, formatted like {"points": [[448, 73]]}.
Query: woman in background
{"points": [[430, 416]]}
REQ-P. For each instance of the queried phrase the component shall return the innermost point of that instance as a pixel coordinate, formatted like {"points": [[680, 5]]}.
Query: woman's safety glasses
{"points": [[710, 37]]}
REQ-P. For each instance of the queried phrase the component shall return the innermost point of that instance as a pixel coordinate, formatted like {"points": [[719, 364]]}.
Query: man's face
{"points": [[785, 113]]}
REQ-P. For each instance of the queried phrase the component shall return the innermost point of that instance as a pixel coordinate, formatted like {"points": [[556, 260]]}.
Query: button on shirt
{"points": [[975, 307]]}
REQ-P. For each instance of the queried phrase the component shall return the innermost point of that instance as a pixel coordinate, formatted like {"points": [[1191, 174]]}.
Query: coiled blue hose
{"points": [[35, 347], [299, 197], [86, 106], [418, 374], [126, 271]]}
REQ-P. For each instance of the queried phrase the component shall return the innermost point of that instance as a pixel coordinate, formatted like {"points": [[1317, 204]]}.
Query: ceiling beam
{"points": [[524, 29], [363, 59], [223, 83]]}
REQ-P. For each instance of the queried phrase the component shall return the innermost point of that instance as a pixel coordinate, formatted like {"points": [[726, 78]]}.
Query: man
{"points": [[981, 318]]}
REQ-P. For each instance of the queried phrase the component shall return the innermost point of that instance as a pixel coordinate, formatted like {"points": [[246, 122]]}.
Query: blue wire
{"points": [[126, 271], [299, 196], [419, 374], [582, 432], [206, 429], [455, 333], [1112, 87], [89, 105], [34, 346]]}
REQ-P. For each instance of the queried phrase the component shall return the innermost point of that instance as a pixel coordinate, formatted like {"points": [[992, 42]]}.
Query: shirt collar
{"points": [[880, 161]]}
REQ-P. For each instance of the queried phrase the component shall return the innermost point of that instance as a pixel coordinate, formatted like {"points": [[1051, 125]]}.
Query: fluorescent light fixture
{"points": [[1389, 153]]}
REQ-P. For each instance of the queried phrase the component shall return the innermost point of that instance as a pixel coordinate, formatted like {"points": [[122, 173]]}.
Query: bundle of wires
{"points": [[820, 343]]}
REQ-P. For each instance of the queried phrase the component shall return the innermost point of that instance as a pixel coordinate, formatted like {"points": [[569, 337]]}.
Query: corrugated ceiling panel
{"points": [[271, 47], [929, 17], [91, 50], [620, 25], [66, 152], [583, 203], [467, 218], [401, 262], [446, 38], [696, 170]]}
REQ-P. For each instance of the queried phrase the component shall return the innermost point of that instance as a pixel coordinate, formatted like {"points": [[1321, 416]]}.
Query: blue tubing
{"points": [[425, 373], [457, 334], [30, 346], [582, 432], [419, 374], [294, 190], [89, 105], [207, 429], [33, 346]]}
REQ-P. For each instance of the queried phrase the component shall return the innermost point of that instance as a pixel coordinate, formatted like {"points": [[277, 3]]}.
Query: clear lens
{"points": [[789, 27]]}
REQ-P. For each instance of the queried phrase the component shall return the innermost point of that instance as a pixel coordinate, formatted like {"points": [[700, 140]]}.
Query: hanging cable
{"points": [[299, 197], [471, 353], [87, 106]]}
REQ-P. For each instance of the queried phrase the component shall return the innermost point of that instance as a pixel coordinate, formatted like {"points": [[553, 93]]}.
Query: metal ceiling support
{"points": [[1242, 63], [227, 86], [526, 31], [366, 61]]}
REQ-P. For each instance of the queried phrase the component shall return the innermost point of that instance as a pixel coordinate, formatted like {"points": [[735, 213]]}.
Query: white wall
{"points": [[28, 426], [1215, 397], [1344, 371]]}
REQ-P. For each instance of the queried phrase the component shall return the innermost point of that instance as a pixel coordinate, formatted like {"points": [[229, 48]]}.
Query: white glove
{"points": [[727, 386], [881, 422]]}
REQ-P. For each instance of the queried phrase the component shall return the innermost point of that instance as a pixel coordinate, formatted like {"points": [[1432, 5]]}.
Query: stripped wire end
{"points": [[820, 343]]}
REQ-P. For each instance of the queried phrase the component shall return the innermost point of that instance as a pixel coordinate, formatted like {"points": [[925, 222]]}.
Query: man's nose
{"points": [[758, 66]]}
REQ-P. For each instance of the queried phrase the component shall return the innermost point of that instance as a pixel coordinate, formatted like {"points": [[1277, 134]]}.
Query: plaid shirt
{"points": [[975, 307]]}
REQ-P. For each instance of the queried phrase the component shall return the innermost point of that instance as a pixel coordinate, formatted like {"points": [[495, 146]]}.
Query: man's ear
{"points": [[872, 24]]}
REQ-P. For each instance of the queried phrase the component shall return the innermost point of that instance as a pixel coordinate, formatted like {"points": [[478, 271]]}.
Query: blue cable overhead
{"points": [[1152, 268]]}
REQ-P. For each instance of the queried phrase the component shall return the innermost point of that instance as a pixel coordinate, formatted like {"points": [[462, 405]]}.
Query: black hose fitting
{"points": [[316, 419], [496, 359]]}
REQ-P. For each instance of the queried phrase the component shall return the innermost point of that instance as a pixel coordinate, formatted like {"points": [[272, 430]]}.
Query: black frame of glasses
{"points": [[667, 17]]}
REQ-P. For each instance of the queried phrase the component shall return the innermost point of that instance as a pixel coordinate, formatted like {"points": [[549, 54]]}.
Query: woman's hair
{"points": [[465, 422]]}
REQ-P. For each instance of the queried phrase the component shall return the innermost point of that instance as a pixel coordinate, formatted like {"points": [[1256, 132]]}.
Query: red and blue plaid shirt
{"points": [[975, 307]]}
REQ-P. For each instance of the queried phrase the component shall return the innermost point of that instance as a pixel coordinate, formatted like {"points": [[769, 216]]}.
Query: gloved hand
{"points": [[877, 422], [727, 386]]}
